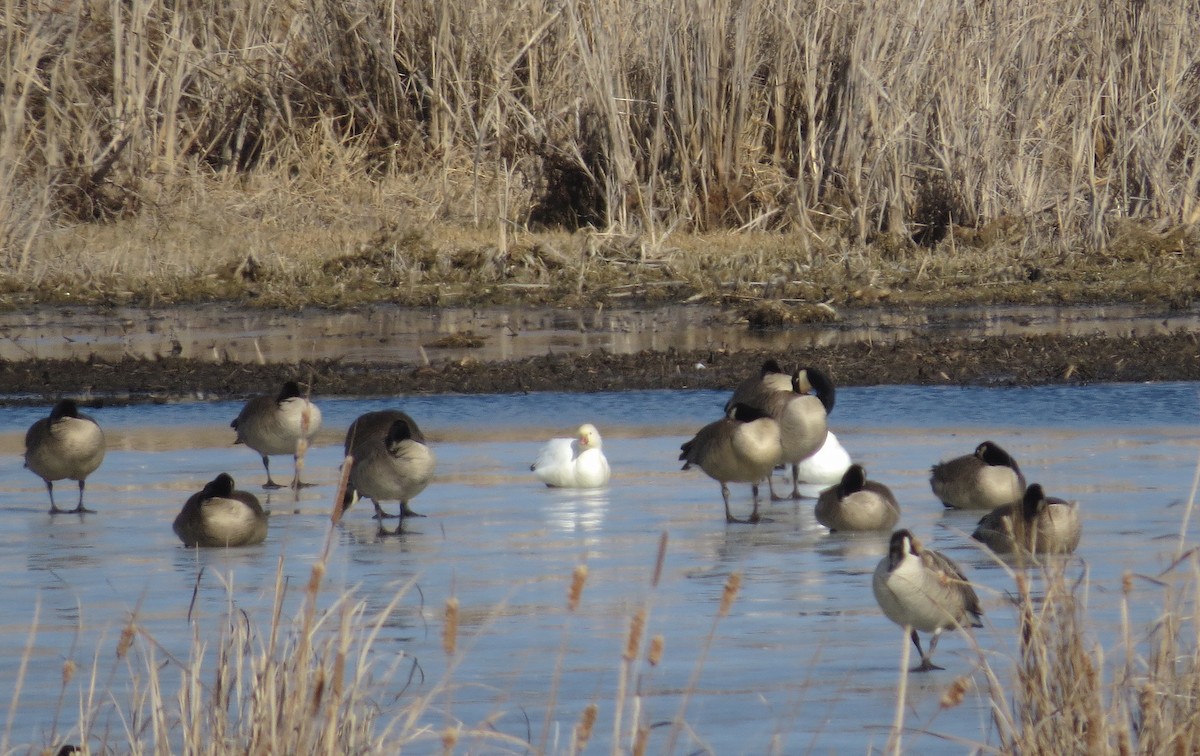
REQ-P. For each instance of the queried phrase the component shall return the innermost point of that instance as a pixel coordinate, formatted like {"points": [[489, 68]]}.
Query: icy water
{"points": [[804, 662]]}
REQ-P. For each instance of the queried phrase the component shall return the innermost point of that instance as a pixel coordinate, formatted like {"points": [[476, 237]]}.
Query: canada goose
{"points": [[219, 515], [273, 425], [67, 444], [857, 504], [1045, 525], [770, 377], [922, 589], [391, 461], [742, 447], [802, 418], [573, 462], [986, 479]]}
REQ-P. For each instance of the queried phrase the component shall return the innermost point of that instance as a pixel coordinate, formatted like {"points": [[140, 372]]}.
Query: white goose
{"points": [[823, 469], [573, 462]]}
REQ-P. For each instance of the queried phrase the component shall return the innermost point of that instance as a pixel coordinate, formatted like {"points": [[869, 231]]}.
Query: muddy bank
{"points": [[1001, 360]]}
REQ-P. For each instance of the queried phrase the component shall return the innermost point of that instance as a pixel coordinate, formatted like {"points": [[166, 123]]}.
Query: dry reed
{"points": [[134, 137], [312, 684]]}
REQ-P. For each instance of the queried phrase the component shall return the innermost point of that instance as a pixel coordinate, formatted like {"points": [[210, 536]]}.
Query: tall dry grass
{"points": [[839, 120], [1067, 693]]}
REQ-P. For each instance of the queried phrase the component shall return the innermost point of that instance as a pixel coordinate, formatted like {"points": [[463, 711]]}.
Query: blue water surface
{"points": [[803, 661]]}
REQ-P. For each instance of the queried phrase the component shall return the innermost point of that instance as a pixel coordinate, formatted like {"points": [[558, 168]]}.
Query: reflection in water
{"points": [[804, 644], [575, 510], [382, 333]]}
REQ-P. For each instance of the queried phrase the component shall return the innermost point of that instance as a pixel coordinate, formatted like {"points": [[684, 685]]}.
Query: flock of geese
{"points": [[391, 462], [773, 419], [776, 418]]}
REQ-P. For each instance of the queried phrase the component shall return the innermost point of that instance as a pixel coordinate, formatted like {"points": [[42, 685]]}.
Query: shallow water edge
{"points": [[212, 352]]}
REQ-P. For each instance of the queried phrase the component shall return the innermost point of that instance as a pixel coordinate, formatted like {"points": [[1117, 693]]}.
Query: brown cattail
{"points": [[126, 640], [449, 739], [315, 577], [318, 692], [654, 655], [658, 562], [450, 631], [1148, 704], [1124, 746], [731, 591], [953, 696], [68, 671], [586, 722], [1022, 585], [339, 497], [1127, 582], [639, 744], [578, 578], [637, 626]]}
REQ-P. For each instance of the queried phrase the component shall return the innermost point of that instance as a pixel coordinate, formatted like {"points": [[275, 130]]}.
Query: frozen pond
{"points": [[805, 660]]}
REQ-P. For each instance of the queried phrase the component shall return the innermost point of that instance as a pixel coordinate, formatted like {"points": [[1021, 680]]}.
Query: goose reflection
{"points": [[569, 510]]}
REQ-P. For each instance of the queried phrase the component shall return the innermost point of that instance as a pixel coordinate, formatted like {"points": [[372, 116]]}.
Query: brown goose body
{"points": [[985, 479], [391, 461], [923, 590], [857, 503], [220, 515], [742, 447], [65, 445], [276, 424], [1040, 524], [803, 418]]}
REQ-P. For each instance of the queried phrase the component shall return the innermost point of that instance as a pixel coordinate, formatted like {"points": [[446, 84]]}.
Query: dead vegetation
{"points": [[469, 153], [1068, 693]]}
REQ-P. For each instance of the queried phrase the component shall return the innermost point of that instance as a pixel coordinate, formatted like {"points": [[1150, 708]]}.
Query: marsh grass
{"points": [[312, 679], [1069, 694], [439, 153]]}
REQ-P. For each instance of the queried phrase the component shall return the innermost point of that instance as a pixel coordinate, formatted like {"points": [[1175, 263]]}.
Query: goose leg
{"points": [[925, 665], [754, 512], [53, 507], [406, 512], [271, 484], [725, 495], [296, 477], [381, 515], [79, 508]]}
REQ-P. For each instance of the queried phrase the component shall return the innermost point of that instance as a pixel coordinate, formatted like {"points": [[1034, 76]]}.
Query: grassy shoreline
{"points": [[460, 154], [136, 263]]}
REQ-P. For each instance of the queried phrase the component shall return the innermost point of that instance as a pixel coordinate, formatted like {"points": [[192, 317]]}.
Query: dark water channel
{"points": [[804, 661], [409, 335]]}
